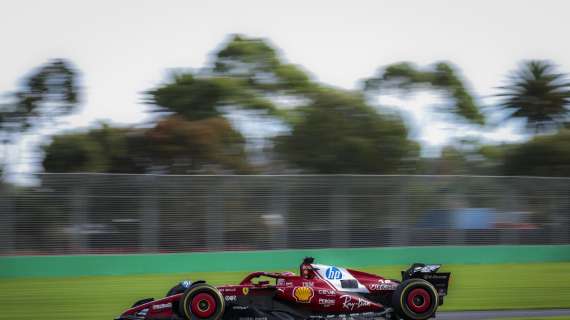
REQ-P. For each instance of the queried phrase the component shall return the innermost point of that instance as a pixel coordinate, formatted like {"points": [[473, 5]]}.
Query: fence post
{"points": [[556, 217], [566, 218], [279, 213], [78, 216], [340, 216], [405, 225], [6, 221], [150, 223], [215, 215]]}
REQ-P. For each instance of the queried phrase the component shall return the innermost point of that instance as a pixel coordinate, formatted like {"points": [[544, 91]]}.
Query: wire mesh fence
{"points": [[110, 213]]}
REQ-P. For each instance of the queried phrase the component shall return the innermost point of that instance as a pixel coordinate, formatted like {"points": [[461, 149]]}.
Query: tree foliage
{"points": [[441, 76], [331, 130], [547, 155], [192, 146], [174, 145], [104, 149], [339, 133], [538, 93], [50, 91], [260, 64], [247, 73]]}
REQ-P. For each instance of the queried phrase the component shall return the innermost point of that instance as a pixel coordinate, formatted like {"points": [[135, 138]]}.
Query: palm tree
{"points": [[539, 94]]}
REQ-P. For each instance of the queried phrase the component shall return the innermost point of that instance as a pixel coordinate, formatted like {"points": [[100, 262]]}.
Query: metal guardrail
{"points": [[113, 213]]}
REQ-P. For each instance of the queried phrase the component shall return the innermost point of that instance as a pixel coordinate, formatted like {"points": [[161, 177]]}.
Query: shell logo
{"points": [[303, 294]]}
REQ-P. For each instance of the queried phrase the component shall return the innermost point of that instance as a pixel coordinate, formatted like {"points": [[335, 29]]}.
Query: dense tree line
{"points": [[329, 130]]}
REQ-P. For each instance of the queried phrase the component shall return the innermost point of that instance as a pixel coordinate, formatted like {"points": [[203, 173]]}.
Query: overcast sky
{"points": [[126, 47]]}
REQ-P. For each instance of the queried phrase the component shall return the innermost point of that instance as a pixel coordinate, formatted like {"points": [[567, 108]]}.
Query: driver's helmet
{"points": [[306, 269]]}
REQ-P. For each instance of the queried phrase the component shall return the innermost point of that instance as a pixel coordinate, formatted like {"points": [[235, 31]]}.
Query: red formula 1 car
{"points": [[319, 292]]}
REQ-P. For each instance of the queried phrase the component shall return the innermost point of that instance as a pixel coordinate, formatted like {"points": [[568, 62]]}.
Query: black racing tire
{"points": [[415, 299], [202, 302]]}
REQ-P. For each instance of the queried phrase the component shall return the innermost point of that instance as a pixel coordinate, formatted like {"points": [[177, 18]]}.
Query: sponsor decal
{"points": [[186, 283], [143, 312], [245, 291], [161, 306], [227, 289], [308, 284], [303, 294], [384, 285], [333, 273], [252, 318], [327, 292], [230, 298], [353, 303], [435, 276], [326, 302]]}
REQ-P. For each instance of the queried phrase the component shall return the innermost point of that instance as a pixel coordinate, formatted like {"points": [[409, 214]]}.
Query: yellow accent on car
{"points": [[303, 294]]}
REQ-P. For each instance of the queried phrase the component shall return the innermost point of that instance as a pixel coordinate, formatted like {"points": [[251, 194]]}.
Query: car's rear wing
{"points": [[440, 280]]}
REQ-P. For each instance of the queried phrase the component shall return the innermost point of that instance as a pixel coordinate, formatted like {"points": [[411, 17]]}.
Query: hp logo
{"points": [[333, 273]]}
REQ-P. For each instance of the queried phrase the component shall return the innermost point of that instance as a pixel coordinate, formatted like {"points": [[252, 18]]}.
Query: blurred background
{"points": [[177, 127]]}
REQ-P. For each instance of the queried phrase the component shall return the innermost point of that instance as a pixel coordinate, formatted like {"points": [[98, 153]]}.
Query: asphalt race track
{"points": [[482, 315]]}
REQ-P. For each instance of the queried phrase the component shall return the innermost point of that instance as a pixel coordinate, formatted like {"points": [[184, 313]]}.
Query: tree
{"points": [[247, 73], [104, 149], [174, 145], [441, 76], [258, 62], [547, 155], [331, 130], [340, 133], [538, 93], [207, 145], [50, 91]]}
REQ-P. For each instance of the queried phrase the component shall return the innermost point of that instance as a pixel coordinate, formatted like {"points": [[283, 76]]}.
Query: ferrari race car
{"points": [[319, 292]]}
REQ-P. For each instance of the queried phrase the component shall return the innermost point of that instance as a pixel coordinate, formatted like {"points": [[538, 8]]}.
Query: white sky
{"points": [[126, 47]]}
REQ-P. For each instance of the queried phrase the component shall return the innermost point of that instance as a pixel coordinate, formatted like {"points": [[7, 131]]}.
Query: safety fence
{"points": [[113, 213]]}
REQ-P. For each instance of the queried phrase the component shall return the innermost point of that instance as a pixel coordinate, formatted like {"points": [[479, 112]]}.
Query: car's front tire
{"points": [[202, 302], [415, 299]]}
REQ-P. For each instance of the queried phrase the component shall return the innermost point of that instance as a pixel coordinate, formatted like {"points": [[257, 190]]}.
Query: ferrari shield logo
{"points": [[245, 291]]}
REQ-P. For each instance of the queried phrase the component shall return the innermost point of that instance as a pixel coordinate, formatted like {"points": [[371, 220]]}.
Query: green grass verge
{"points": [[473, 287]]}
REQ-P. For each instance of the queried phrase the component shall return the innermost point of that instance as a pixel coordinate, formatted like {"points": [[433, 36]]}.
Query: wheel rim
{"points": [[203, 305], [418, 300]]}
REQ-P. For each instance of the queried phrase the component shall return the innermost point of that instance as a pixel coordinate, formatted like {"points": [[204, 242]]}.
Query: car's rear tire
{"points": [[415, 299], [202, 302]]}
